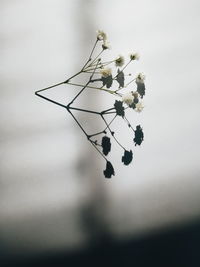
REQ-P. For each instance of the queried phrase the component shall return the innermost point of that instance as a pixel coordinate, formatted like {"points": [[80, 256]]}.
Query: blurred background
{"points": [[56, 207]]}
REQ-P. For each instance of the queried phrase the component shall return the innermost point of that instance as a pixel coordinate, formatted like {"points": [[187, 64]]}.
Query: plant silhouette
{"points": [[99, 71]]}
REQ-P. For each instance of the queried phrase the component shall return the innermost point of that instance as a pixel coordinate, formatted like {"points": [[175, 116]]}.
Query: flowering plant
{"points": [[100, 71]]}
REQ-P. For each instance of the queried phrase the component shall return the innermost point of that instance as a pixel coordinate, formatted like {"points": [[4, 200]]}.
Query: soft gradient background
{"points": [[53, 195]]}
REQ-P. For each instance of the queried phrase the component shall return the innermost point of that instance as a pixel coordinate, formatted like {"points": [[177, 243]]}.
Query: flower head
{"points": [[136, 97], [119, 61], [139, 135], [106, 45], [119, 108], [109, 171], [140, 78], [101, 35], [127, 158], [120, 78], [135, 94], [106, 145], [128, 98], [106, 72], [139, 107], [134, 56]]}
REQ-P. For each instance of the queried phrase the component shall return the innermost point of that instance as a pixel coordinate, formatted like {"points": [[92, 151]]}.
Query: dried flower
{"points": [[134, 56], [101, 35], [135, 94], [119, 61], [109, 171], [140, 84], [139, 135], [120, 78], [106, 145], [128, 98], [140, 78], [106, 45], [98, 70], [106, 72], [139, 107], [127, 158], [119, 108]]}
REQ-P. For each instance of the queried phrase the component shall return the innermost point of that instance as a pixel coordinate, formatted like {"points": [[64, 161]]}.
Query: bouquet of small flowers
{"points": [[100, 71]]}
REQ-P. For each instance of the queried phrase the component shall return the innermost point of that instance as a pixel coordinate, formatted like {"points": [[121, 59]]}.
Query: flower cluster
{"points": [[112, 75]]}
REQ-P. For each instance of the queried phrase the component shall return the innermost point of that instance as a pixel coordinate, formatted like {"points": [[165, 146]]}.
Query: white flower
{"points": [[101, 35], [135, 94], [139, 107], [140, 78], [106, 45], [134, 56], [119, 61], [128, 98], [106, 72]]}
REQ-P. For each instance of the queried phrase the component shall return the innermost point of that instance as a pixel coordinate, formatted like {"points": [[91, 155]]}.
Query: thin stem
{"points": [[96, 58], [95, 143], [57, 84], [96, 80], [82, 89], [104, 111], [88, 137], [91, 71], [108, 62], [78, 93], [85, 110], [122, 69], [102, 65], [90, 56], [104, 131], [126, 65], [49, 87], [98, 150], [114, 112], [78, 123], [129, 125], [112, 132], [50, 100], [67, 81], [130, 82], [93, 87], [101, 132], [91, 68], [110, 122]]}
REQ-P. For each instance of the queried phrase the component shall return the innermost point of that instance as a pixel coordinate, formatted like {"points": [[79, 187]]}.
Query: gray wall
{"points": [[47, 184]]}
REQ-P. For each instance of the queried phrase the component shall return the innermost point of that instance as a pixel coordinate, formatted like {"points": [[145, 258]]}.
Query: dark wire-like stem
{"points": [[104, 131], [50, 100], [57, 84], [106, 110], [90, 56], [122, 69], [96, 58], [85, 110], [112, 112], [88, 137], [82, 88], [73, 76], [49, 87], [129, 125], [93, 87], [130, 82], [110, 122], [112, 132]]}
